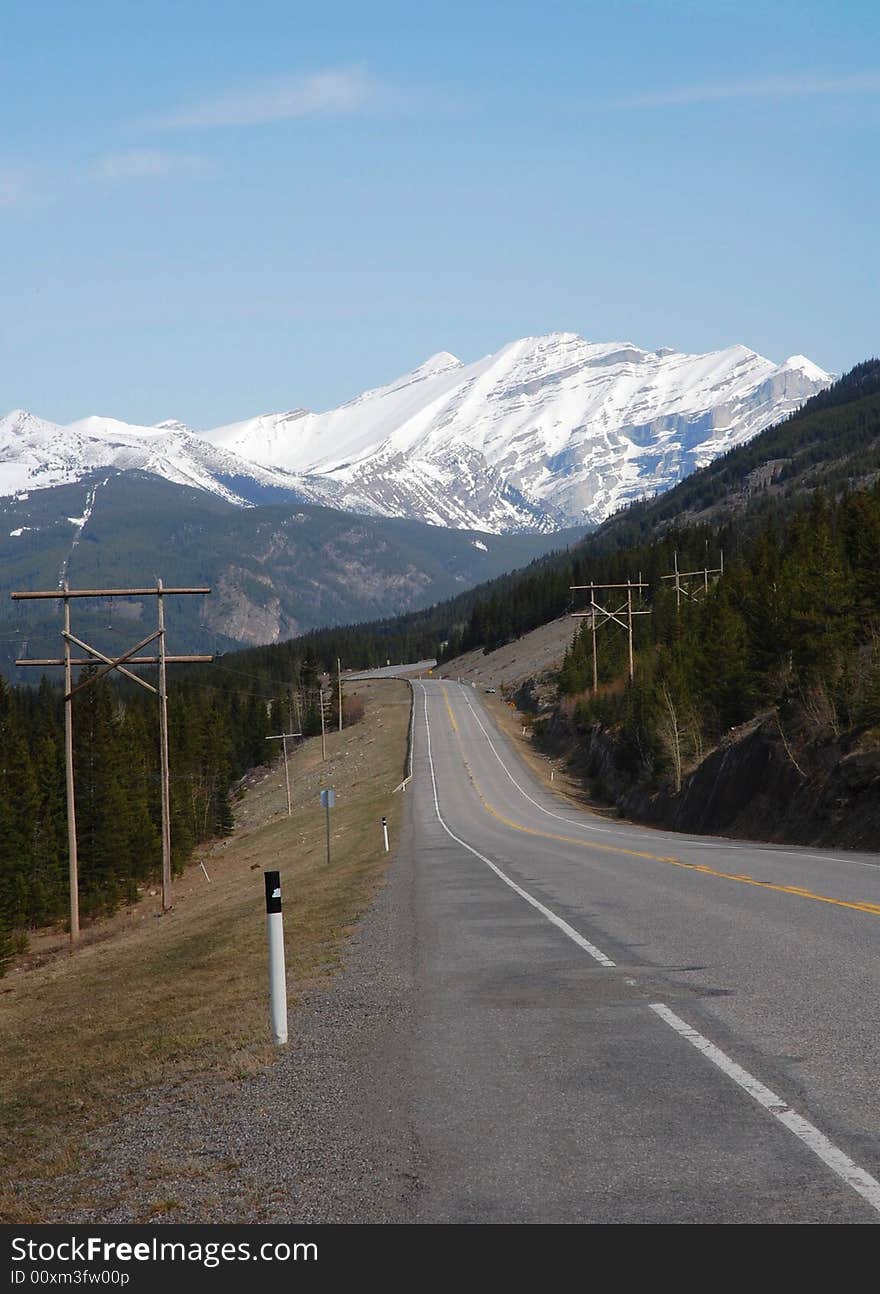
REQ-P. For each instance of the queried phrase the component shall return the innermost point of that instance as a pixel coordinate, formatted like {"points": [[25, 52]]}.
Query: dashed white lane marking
{"points": [[807, 1133]]}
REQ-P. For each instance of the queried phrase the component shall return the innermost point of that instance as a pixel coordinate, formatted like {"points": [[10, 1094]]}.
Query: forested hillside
{"points": [[275, 571], [217, 730], [792, 627]]}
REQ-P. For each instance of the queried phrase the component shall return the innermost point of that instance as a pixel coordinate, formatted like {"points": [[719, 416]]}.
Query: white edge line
{"points": [[595, 953], [861, 1181], [832, 1156], [699, 843], [572, 822]]}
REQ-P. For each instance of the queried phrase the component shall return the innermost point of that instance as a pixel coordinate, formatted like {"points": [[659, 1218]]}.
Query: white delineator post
{"points": [[328, 802], [277, 972], [385, 833]]}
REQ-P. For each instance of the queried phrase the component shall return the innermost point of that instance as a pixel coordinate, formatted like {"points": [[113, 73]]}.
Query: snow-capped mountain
{"points": [[35, 454], [547, 432]]}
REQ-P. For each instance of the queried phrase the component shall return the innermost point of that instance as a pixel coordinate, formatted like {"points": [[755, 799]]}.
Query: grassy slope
{"points": [[151, 1000]]}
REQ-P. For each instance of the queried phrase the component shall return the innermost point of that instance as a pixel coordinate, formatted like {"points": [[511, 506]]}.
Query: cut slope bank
{"points": [[760, 783]]}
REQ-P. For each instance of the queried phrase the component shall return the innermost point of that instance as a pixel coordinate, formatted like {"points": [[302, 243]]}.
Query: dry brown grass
{"points": [[162, 999]]}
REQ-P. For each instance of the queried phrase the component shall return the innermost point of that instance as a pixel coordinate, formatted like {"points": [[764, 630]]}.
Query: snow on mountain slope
{"points": [[35, 454], [549, 431]]}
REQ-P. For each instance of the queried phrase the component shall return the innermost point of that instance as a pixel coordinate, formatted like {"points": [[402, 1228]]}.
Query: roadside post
{"points": [[277, 973], [385, 833], [328, 802]]}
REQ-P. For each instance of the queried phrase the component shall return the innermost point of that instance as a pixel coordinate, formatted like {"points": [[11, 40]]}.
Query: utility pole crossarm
{"points": [[137, 660], [110, 663], [704, 570], [59, 594], [630, 584]]}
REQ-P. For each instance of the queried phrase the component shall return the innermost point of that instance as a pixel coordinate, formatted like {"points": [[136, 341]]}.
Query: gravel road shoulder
{"points": [[323, 1135]]}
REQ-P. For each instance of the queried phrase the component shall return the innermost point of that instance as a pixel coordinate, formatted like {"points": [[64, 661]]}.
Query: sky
{"points": [[211, 209]]}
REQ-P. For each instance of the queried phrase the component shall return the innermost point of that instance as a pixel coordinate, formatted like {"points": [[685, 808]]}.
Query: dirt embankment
{"points": [[529, 657]]}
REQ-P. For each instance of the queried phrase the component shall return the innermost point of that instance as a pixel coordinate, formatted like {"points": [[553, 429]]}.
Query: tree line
{"points": [[792, 628], [217, 729]]}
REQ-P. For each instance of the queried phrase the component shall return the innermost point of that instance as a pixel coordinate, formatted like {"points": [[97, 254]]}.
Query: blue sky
{"points": [[214, 209]]}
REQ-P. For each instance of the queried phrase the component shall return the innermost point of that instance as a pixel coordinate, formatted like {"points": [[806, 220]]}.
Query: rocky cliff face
{"points": [[755, 786]]}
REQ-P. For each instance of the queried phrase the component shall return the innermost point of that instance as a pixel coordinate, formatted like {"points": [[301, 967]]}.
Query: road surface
{"points": [[611, 1023], [416, 669]]}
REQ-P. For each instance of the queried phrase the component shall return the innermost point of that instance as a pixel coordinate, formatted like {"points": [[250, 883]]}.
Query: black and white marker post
{"points": [[328, 802], [277, 973], [385, 833]]}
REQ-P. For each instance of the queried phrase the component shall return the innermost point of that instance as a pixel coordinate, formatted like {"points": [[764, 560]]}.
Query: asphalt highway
{"points": [[617, 1024]]}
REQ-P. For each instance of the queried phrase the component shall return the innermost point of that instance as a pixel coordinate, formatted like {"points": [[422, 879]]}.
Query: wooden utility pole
{"points": [[73, 865], [163, 754], [109, 663], [599, 615], [691, 584], [282, 737], [595, 652], [296, 707], [323, 726], [339, 680]]}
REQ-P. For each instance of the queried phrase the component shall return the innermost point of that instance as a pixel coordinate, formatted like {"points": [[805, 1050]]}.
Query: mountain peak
{"points": [[21, 418], [438, 363], [173, 424], [800, 364]]}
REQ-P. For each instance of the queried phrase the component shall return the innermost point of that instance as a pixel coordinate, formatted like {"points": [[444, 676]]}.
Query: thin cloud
{"points": [[772, 87], [149, 163], [333, 92]]}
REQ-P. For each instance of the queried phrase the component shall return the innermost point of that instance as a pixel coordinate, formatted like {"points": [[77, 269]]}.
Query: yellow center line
{"points": [[449, 709], [740, 877]]}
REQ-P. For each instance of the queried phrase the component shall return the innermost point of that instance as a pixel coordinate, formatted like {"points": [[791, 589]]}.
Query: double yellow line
{"points": [[739, 877]]}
